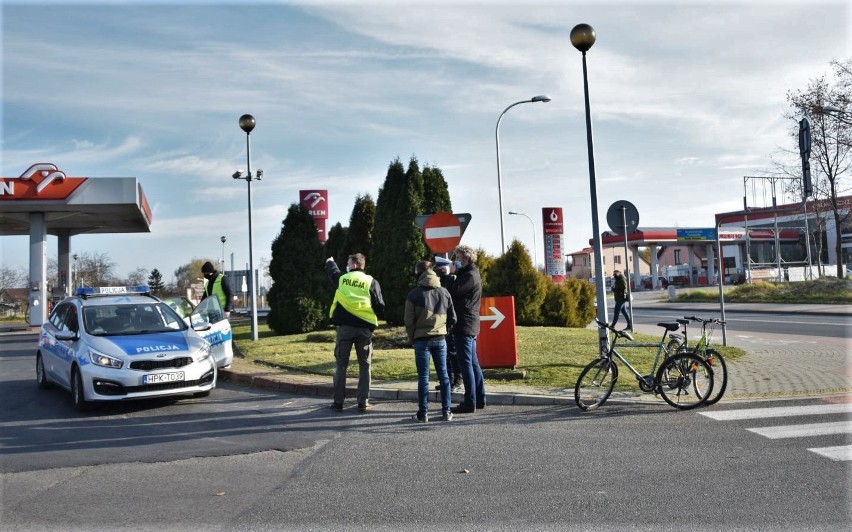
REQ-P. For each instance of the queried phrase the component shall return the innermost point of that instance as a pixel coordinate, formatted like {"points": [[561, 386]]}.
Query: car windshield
{"points": [[138, 318]]}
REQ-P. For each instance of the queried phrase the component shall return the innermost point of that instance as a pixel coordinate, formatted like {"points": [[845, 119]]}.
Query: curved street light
{"points": [[535, 249], [540, 98], [582, 38]]}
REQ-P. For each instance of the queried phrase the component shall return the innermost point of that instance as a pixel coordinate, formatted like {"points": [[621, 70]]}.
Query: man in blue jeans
{"points": [[466, 291], [429, 314]]}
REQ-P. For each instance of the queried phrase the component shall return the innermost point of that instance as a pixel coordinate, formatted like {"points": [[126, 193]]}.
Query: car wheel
{"points": [[41, 376], [78, 395]]}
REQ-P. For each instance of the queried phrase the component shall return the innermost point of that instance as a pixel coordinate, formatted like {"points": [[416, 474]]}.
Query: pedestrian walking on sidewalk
{"points": [[355, 311], [428, 314], [619, 291], [466, 291]]}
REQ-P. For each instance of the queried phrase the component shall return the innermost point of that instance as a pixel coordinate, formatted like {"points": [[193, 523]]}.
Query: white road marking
{"points": [[778, 411], [804, 431], [841, 453]]}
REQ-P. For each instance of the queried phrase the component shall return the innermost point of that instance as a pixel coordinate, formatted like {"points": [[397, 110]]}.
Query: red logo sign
{"points": [[442, 232], [316, 201], [42, 181]]}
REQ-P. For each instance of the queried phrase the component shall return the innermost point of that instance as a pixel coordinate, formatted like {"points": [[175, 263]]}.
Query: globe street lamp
{"points": [[247, 123], [534, 99], [582, 38], [223, 238], [535, 250]]}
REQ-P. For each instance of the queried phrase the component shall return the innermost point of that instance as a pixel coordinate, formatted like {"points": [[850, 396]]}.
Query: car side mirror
{"points": [[67, 336], [201, 326]]}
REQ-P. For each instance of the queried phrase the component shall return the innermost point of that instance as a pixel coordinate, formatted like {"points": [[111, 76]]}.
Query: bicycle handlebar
{"points": [[705, 320]]}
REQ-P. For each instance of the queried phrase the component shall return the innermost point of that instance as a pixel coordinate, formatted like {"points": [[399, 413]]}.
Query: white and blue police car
{"points": [[121, 343]]}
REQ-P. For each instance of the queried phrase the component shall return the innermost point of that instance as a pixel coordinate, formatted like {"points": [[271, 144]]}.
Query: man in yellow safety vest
{"points": [[217, 284], [355, 310]]}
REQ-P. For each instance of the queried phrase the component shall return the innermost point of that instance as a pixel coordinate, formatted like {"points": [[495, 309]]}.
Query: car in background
{"points": [[646, 282], [122, 343], [208, 312]]}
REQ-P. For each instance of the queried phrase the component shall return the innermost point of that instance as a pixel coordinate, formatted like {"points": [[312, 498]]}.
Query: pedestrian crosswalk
{"points": [[840, 453]]}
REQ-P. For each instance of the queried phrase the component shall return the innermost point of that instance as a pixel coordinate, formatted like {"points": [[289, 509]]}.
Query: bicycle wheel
{"points": [[685, 381], [720, 375], [595, 384]]}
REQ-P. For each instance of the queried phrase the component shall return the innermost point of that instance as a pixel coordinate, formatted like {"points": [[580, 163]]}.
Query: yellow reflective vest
{"points": [[217, 290], [353, 294]]}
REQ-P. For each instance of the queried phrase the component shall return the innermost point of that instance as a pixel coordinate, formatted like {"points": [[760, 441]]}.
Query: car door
{"points": [[209, 312], [62, 339]]}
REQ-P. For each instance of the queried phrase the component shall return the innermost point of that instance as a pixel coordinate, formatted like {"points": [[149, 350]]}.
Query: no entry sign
{"points": [[442, 232]]}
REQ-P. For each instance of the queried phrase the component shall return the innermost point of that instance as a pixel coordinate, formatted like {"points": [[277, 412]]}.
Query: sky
{"points": [[686, 99]]}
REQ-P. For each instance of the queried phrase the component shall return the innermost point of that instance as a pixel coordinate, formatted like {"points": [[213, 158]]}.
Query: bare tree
{"points": [[12, 278], [831, 153]]}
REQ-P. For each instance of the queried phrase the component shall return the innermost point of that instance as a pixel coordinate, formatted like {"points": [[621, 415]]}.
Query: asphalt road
{"points": [[823, 326], [245, 459]]}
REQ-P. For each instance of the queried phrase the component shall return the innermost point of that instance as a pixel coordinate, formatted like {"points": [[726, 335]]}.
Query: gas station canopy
{"points": [[43, 200]]}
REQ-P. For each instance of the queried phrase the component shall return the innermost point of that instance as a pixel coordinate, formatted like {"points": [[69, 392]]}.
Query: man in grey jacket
{"points": [[429, 314]]}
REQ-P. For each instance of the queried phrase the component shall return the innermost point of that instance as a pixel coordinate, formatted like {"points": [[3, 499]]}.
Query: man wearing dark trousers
{"points": [[355, 310], [466, 292]]}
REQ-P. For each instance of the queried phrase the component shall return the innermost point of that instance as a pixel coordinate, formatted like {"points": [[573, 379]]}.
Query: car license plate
{"points": [[157, 378]]}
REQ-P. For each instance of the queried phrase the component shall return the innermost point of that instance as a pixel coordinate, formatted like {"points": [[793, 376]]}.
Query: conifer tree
{"points": [[155, 282], [360, 232], [513, 274], [300, 294], [436, 194], [397, 241], [335, 245]]}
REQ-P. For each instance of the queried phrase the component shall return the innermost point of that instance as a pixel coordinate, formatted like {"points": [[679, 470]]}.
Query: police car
{"points": [[120, 343]]}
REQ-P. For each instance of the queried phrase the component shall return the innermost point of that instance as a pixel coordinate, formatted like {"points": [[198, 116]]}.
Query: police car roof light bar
{"points": [[91, 291]]}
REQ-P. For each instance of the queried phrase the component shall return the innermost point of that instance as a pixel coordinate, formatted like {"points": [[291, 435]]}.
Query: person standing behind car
{"points": [[466, 292], [355, 310], [428, 314], [217, 284]]}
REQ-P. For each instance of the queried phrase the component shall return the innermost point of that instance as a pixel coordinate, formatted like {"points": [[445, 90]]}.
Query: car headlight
{"points": [[205, 352], [100, 359]]}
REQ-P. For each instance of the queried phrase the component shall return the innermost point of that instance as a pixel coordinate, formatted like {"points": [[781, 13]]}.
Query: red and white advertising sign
{"points": [[497, 343], [442, 232], [41, 181], [554, 260], [316, 201]]}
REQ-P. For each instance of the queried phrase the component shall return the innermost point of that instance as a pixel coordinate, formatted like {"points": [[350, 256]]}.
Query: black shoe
{"points": [[463, 409], [480, 406], [420, 418], [336, 407], [363, 407]]}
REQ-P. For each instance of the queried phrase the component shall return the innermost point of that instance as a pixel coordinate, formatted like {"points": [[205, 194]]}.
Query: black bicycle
{"points": [[684, 380]]}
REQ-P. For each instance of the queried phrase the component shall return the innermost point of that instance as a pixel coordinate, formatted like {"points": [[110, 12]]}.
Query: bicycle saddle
{"points": [[669, 326]]}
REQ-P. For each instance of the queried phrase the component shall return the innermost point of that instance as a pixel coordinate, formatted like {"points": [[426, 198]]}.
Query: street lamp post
{"points": [[247, 123], [541, 98], [223, 238], [582, 38], [535, 249]]}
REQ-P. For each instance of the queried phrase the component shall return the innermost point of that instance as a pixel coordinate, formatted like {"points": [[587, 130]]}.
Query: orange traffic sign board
{"points": [[497, 343], [442, 232]]}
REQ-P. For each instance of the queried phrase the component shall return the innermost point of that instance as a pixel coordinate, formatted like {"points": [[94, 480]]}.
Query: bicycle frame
{"points": [[647, 380]]}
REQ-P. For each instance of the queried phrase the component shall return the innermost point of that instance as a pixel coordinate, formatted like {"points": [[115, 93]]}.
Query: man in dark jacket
{"points": [[466, 292], [217, 284], [620, 293], [355, 310], [428, 315]]}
